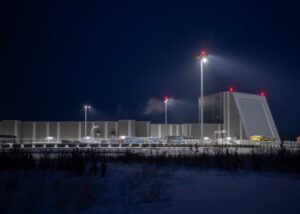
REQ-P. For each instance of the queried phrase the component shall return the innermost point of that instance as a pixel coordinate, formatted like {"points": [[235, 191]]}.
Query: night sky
{"points": [[119, 55]]}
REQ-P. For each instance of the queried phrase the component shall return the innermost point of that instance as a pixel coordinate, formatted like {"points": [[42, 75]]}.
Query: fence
{"points": [[135, 143]]}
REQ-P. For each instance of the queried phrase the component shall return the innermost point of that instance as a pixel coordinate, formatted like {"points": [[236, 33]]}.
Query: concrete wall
{"points": [[126, 128], [10, 127], [213, 108], [110, 129], [51, 129], [221, 108], [70, 130], [187, 130], [231, 116], [27, 130], [235, 130], [155, 130], [163, 130], [40, 130], [100, 131], [142, 129], [228, 109]]}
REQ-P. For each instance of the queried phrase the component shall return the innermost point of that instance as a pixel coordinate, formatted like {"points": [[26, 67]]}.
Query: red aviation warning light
{"points": [[203, 53], [262, 93]]}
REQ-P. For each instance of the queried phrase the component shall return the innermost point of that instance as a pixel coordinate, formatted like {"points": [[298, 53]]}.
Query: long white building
{"points": [[235, 115]]}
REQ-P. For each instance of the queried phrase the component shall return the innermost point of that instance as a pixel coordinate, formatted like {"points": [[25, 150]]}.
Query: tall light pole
{"points": [[203, 59], [86, 108], [166, 100]]}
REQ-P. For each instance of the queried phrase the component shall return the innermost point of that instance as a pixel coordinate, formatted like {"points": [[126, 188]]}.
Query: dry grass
{"points": [[91, 162]]}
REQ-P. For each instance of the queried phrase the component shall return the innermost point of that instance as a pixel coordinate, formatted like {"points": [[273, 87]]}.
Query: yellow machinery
{"points": [[259, 138]]}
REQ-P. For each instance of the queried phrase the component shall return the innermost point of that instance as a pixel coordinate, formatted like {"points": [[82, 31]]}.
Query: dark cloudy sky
{"points": [[118, 55]]}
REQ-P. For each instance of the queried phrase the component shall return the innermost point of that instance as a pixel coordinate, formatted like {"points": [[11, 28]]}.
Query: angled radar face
{"points": [[255, 115]]}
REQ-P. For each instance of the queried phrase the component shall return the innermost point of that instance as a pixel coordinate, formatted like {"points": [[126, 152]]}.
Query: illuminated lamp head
{"points": [[166, 99], [203, 56]]}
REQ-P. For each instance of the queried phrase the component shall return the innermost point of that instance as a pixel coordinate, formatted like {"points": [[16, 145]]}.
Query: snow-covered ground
{"points": [[147, 188]]}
